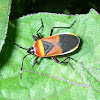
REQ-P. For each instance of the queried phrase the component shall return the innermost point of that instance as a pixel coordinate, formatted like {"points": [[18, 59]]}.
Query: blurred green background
{"points": [[24, 7]]}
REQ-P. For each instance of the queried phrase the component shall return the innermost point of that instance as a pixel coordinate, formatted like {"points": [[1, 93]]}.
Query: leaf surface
{"points": [[4, 19], [49, 80]]}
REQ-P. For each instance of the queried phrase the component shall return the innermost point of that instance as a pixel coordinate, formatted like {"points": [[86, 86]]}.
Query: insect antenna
{"points": [[23, 57], [17, 45]]}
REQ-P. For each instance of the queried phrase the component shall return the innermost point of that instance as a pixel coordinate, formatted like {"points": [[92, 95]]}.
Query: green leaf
{"points": [[4, 18], [49, 80]]}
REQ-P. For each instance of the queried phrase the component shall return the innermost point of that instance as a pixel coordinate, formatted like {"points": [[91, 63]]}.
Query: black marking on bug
{"points": [[47, 46], [67, 42]]}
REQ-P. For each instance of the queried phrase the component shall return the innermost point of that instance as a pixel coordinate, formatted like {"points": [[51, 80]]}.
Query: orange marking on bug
{"points": [[52, 39], [56, 50], [39, 48]]}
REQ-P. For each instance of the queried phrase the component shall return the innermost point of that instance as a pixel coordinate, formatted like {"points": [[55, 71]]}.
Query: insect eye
{"points": [[30, 50]]}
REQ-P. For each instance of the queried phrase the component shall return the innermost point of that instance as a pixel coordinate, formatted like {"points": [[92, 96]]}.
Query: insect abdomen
{"points": [[68, 42]]}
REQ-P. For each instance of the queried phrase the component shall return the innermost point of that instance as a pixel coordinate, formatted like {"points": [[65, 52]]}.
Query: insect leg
{"points": [[34, 37], [39, 36], [61, 27], [34, 62], [22, 66], [64, 61], [23, 61], [69, 58]]}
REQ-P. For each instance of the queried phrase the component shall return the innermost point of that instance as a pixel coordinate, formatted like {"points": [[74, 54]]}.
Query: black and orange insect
{"points": [[52, 46]]}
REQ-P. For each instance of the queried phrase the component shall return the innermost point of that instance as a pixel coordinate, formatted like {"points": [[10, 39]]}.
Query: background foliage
{"points": [[48, 80], [24, 7]]}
